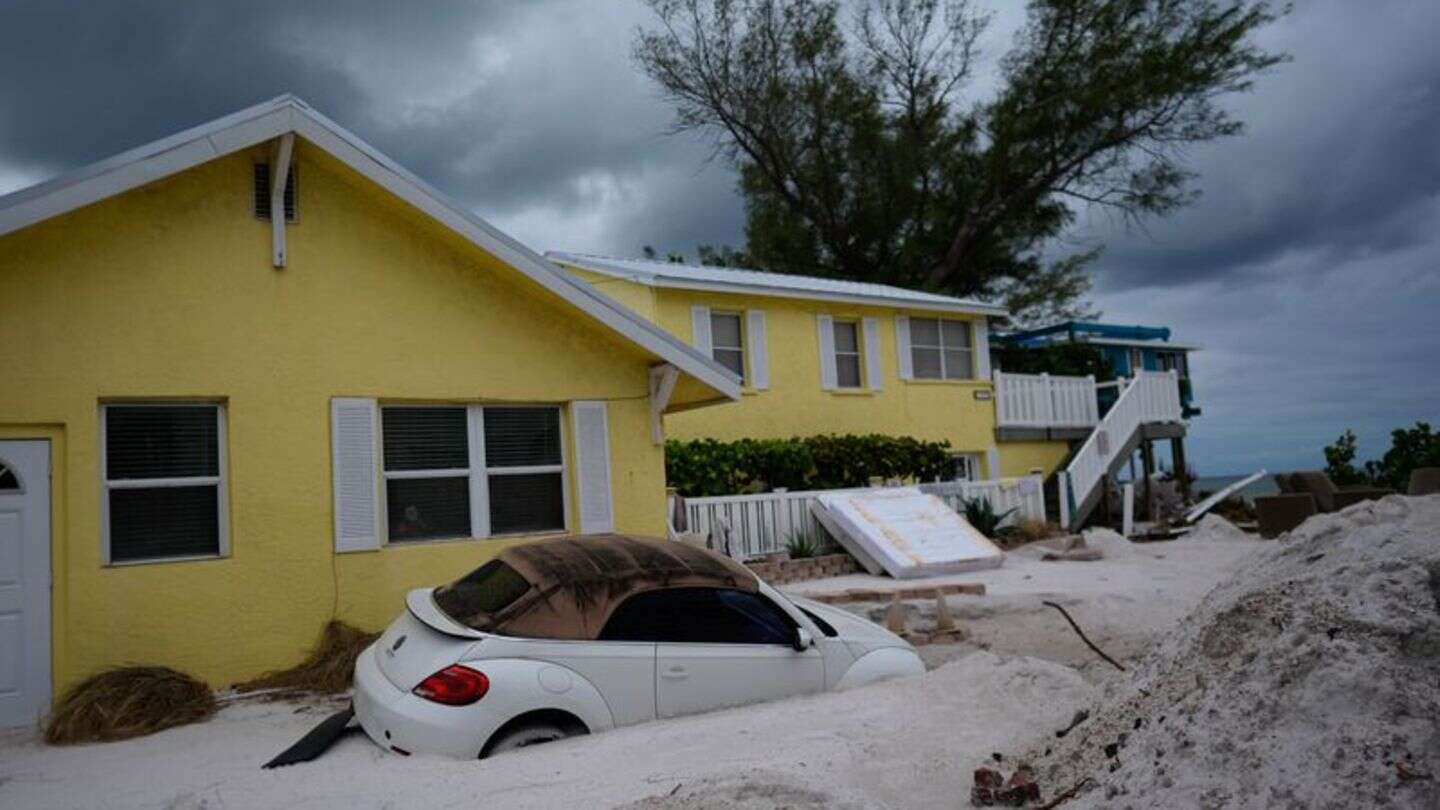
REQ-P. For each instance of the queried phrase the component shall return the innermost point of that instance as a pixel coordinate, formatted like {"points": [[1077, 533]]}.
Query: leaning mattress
{"points": [[905, 532]]}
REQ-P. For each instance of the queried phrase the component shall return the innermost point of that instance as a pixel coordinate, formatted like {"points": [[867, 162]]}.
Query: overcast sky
{"points": [[1307, 270]]}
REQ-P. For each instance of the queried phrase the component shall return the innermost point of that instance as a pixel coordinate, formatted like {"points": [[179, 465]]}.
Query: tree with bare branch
{"points": [[863, 154]]}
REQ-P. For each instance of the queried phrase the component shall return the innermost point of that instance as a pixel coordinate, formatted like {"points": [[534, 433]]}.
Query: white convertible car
{"points": [[579, 635]]}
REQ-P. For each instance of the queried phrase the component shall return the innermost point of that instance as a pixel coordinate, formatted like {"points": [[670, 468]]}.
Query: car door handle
{"points": [[675, 674]]}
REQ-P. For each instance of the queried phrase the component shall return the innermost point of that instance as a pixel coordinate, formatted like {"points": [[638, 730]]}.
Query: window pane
{"points": [[924, 332], [8, 481], [845, 340], [698, 615], [732, 359], [925, 363], [522, 437], [426, 508], [958, 365], [527, 503], [164, 522], [725, 330], [425, 438], [847, 371], [161, 441], [481, 593], [957, 334]]}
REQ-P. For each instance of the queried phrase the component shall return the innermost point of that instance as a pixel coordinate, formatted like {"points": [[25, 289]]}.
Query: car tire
{"points": [[528, 734]]}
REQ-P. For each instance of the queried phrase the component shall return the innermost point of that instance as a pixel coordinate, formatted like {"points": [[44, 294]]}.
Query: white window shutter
{"points": [[759, 351], [871, 328], [592, 466], [902, 346], [982, 349], [700, 330], [355, 466], [826, 326]]}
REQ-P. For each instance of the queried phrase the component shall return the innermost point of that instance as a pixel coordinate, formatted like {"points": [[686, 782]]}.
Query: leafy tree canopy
{"points": [[863, 154]]}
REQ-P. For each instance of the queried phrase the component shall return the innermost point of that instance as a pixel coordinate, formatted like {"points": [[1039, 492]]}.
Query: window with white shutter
{"points": [[355, 467], [727, 342], [847, 354], [759, 351], [460, 471], [941, 349], [164, 481], [592, 464]]}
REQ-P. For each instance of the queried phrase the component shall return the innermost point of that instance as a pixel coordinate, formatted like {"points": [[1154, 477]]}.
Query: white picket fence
{"points": [[1152, 396], [765, 523], [1039, 400]]}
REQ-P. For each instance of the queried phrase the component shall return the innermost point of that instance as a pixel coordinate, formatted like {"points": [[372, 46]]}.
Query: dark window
{"points": [[825, 627], [425, 439], [428, 508], [522, 437], [262, 192], [727, 342], [532, 502], [481, 593], [429, 477], [8, 481], [163, 481], [699, 615], [847, 354]]}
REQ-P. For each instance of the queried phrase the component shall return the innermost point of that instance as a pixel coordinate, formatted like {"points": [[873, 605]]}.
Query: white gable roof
{"points": [[755, 282], [287, 113]]}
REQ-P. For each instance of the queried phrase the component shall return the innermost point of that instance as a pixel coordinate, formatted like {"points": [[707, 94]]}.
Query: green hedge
{"points": [[706, 467]]}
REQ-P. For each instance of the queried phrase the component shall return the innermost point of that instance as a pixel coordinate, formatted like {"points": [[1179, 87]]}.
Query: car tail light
{"points": [[454, 686]]}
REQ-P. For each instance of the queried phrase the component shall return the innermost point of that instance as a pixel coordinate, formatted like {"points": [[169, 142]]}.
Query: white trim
{"points": [[414, 475], [700, 331], [899, 298], [274, 118], [902, 347], [759, 350], [479, 484], [279, 177], [220, 482], [600, 487], [871, 347], [828, 373], [1159, 345], [662, 387], [980, 345], [533, 469], [347, 461], [992, 463]]}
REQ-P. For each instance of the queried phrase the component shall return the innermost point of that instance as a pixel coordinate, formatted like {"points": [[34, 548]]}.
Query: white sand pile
{"points": [[1216, 529], [1310, 679], [1112, 544]]}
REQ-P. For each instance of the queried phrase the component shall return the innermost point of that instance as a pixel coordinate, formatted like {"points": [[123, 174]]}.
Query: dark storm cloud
{"points": [[520, 110], [1307, 269]]}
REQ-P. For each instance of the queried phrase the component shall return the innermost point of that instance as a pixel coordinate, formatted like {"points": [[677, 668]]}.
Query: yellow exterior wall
{"points": [[1019, 458], [167, 292], [795, 404]]}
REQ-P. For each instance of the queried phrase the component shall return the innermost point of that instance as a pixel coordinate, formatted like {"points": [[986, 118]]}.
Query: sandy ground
{"points": [[907, 743]]}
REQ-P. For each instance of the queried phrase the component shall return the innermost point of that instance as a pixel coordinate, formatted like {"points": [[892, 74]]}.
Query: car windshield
{"points": [[474, 598]]}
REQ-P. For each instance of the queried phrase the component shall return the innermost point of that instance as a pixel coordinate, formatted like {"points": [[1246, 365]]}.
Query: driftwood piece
{"points": [[1084, 638]]}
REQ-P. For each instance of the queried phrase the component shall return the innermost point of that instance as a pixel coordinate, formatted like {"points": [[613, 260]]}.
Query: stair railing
{"points": [[1152, 396]]}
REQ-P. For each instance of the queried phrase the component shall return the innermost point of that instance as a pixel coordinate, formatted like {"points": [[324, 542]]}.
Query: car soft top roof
{"points": [[576, 582]]}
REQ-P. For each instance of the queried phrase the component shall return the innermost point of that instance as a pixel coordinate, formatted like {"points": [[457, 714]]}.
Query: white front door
{"points": [[24, 582]]}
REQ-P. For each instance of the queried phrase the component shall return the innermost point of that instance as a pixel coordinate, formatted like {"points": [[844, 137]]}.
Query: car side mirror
{"points": [[803, 639]]}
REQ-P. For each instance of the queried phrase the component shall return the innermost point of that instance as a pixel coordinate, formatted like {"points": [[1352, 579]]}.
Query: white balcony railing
{"points": [[1043, 401]]}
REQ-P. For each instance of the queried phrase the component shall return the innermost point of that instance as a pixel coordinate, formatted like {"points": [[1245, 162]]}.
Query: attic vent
{"points": [[262, 193]]}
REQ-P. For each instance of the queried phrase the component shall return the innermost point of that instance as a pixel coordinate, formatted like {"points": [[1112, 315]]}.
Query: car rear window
{"points": [[473, 598]]}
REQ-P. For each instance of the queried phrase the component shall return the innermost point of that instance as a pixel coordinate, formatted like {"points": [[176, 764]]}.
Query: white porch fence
{"points": [[765, 523], [1152, 396], [1039, 400]]}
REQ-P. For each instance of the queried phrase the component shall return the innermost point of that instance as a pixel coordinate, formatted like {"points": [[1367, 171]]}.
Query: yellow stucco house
{"points": [[818, 355], [256, 375]]}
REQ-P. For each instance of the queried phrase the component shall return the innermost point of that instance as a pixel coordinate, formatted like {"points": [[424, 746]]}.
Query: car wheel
{"points": [[526, 735]]}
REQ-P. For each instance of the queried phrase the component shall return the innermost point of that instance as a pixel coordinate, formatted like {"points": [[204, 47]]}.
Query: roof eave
{"points": [[286, 113]]}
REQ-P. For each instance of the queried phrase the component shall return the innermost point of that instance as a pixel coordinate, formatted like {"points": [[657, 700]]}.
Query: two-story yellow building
{"points": [[818, 355]]}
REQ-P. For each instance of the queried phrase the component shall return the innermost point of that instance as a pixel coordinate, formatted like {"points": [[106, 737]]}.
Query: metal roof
{"points": [[656, 273], [287, 113]]}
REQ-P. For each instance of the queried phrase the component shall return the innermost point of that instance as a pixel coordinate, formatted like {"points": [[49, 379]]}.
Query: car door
{"points": [[718, 647]]}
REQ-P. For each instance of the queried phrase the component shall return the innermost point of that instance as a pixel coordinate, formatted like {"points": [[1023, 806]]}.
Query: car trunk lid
{"points": [[421, 642]]}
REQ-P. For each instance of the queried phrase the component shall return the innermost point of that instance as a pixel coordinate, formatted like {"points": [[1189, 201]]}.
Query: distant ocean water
{"points": [[1215, 483]]}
